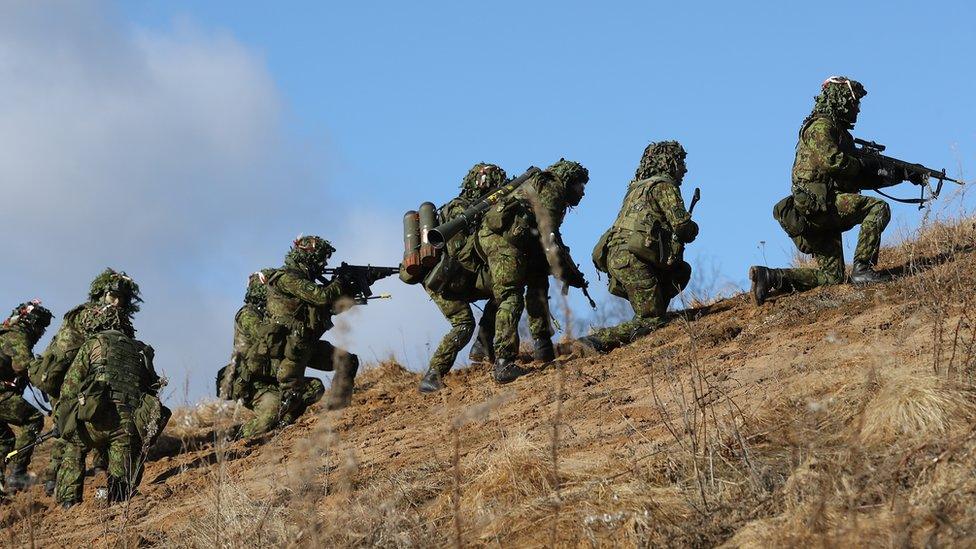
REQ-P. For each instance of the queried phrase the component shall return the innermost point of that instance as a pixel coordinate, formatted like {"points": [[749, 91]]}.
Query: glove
{"points": [[686, 232], [348, 285]]}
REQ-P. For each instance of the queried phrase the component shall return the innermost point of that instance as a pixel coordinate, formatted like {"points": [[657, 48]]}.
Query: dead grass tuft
{"points": [[913, 407]]}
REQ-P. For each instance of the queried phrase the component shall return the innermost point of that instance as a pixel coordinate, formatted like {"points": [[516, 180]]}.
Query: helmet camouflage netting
{"points": [[106, 317], [31, 315], [569, 172], [309, 253], [839, 97], [257, 289], [119, 284], [661, 158], [483, 176]]}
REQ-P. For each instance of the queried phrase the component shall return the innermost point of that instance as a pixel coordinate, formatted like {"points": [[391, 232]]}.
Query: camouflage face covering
{"points": [[482, 177], [119, 285], [32, 316], [663, 158], [309, 254], [257, 289], [840, 99]]}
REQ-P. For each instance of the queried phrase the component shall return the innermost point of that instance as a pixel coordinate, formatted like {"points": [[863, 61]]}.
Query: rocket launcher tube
{"points": [[428, 220], [411, 243], [438, 236]]}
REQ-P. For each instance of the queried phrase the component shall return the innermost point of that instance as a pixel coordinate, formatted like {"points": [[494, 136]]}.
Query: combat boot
{"points": [[764, 282], [343, 380], [17, 479], [431, 383], [543, 350], [862, 273], [479, 352], [506, 371]]}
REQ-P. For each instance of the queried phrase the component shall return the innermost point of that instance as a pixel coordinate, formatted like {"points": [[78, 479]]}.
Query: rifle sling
{"points": [[902, 200]]}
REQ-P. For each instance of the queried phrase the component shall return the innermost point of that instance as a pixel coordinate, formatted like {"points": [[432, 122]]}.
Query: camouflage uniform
{"points": [[825, 201], [644, 249], [48, 371], [104, 400], [250, 376], [467, 280], [18, 334], [299, 312], [522, 244]]}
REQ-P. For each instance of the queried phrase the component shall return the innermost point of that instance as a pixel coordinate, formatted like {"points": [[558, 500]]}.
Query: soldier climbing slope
{"points": [[643, 252]]}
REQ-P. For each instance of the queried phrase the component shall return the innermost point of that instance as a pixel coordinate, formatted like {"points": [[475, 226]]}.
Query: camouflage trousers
{"points": [[459, 314], [16, 411], [301, 353], [824, 240], [520, 280], [117, 434], [99, 460], [648, 288], [266, 405]]}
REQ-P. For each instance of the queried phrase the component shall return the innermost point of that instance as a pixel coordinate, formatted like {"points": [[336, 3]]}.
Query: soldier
{"points": [[48, 371], [521, 240], [18, 335], [299, 312], [108, 401], [825, 201], [465, 284], [250, 377], [643, 252]]}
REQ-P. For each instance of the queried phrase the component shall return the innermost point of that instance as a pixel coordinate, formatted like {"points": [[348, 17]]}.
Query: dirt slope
{"points": [[838, 416]]}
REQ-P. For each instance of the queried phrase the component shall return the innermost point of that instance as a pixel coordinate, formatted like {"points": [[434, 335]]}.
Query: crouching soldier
{"points": [[643, 252], [109, 400]]}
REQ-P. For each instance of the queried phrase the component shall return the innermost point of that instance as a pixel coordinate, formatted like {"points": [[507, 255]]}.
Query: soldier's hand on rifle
{"points": [[871, 165], [686, 232], [348, 284]]}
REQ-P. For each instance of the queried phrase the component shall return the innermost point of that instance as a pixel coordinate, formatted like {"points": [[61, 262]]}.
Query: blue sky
{"points": [[225, 128], [403, 97]]}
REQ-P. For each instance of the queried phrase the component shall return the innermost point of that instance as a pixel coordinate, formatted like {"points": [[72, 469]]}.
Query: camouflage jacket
{"points": [[825, 165], [247, 321], [652, 207], [297, 302], [16, 349]]}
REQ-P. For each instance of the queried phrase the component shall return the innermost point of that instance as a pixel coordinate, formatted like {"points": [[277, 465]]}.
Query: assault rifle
{"points": [[361, 276], [898, 170], [439, 235]]}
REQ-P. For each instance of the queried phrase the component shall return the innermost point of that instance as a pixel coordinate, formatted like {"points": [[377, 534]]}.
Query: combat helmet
{"points": [[573, 175], [481, 177], [309, 254], [31, 316], [257, 288], [119, 285], [840, 99], [662, 158]]}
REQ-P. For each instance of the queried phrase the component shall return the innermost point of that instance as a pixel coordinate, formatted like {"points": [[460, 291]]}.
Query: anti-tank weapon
{"points": [[360, 277], [469, 218], [898, 170]]}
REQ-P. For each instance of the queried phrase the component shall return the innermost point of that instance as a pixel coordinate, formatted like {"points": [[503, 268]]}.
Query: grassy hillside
{"points": [[834, 417]]}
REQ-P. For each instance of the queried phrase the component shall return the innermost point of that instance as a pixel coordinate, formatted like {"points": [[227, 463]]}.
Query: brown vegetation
{"points": [[840, 416]]}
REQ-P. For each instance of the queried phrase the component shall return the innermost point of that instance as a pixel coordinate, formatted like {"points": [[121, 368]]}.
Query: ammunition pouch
{"points": [[150, 418], [444, 275], [650, 248], [95, 401], [792, 221]]}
